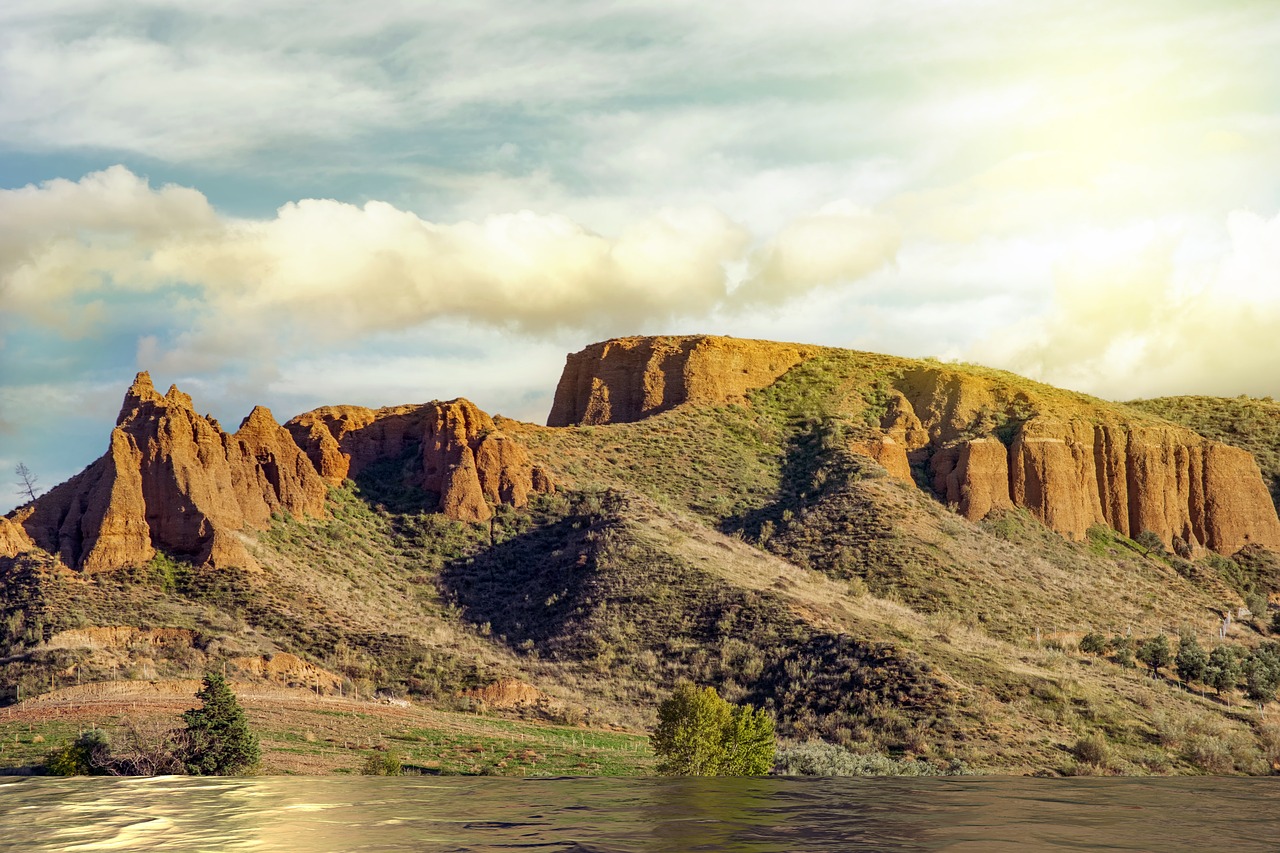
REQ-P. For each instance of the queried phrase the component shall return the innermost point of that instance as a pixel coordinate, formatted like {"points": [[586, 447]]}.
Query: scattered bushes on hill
{"points": [[820, 758]]}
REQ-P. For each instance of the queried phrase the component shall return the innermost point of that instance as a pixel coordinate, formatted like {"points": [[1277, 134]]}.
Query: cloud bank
{"points": [[1158, 318], [323, 270]]}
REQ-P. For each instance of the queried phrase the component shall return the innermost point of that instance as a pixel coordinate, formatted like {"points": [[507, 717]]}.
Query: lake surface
{"points": [[607, 815]]}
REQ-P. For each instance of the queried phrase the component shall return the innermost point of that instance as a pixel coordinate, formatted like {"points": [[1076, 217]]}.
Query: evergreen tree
{"points": [[1191, 661], [1155, 653], [219, 742], [1093, 643], [1223, 670], [700, 734], [1262, 673]]}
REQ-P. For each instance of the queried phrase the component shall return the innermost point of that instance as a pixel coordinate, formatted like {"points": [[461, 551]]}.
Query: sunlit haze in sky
{"points": [[304, 203]]}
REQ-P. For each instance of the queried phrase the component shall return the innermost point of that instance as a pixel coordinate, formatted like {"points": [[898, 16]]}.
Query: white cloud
{"points": [[1149, 319], [839, 243], [323, 271]]}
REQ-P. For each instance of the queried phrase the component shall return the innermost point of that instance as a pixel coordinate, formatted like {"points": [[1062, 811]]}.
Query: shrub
{"points": [[819, 758], [1223, 669], [1093, 643], [1122, 650], [1191, 662], [382, 764], [1150, 543], [88, 755], [219, 742], [700, 734], [1092, 749]]}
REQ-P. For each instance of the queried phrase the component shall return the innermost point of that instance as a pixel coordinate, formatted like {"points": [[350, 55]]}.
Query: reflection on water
{"points": [[748, 815]]}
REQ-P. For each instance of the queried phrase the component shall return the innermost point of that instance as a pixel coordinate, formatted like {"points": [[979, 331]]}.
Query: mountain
{"points": [[896, 556]]}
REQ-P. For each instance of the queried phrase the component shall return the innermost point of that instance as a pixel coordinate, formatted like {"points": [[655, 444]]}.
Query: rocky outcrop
{"points": [[13, 539], [464, 458], [984, 440], [627, 379], [173, 480]]}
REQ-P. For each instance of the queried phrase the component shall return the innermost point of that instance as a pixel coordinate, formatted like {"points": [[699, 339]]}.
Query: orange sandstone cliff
{"points": [[627, 379], [172, 480], [979, 440], [461, 454]]}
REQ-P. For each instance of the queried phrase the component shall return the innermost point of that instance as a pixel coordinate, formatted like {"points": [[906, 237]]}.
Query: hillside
{"points": [[895, 556]]}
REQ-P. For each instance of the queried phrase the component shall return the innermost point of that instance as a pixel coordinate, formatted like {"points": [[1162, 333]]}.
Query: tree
{"points": [[219, 742], [26, 481], [1262, 673], [1223, 670], [1155, 653], [700, 734], [1191, 660]]}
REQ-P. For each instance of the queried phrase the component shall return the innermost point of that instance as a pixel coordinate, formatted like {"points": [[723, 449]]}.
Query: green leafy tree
{"points": [[1223, 670], [219, 742], [1191, 661], [382, 764], [700, 734], [1155, 654]]}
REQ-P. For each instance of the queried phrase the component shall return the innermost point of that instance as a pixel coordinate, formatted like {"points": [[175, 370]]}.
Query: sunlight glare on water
{"points": [[624, 815]]}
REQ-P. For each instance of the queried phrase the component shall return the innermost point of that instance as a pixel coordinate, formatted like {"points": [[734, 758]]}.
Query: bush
{"points": [[382, 764], [1093, 643], [219, 742], [88, 755], [1191, 662], [819, 758], [1122, 650], [1092, 749], [700, 734]]}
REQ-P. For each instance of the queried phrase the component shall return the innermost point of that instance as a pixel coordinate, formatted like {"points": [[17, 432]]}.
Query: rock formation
{"points": [[627, 379], [173, 480], [984, 441], [13, 539], [464, 458]]}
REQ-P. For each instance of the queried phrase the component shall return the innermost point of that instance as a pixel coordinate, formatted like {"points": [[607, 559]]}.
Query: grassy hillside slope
{"points": [[742, 546]]}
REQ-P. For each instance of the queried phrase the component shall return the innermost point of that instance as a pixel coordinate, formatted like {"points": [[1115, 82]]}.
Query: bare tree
{"points": [[26, 481]]}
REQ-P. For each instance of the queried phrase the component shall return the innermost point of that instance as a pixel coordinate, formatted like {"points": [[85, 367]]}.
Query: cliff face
{"points": [[627, 379], [174, 480], [465, 459], [981, 443]]}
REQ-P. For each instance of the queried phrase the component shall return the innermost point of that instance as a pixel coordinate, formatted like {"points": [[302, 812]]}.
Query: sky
{"points": [[300, 204]]}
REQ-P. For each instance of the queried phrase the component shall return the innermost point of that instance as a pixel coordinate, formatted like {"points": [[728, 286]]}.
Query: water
{"points": [[608, 815]]}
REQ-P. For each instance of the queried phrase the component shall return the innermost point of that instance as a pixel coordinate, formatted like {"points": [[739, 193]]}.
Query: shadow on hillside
{"points": [[388, 484], [528, 589]]}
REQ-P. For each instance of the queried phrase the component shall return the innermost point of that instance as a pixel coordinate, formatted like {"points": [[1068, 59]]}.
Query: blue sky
{"points": [[307, 203]]}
